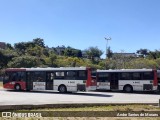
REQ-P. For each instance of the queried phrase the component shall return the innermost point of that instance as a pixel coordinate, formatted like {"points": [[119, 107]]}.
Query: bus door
{"points": [[114, 81], [29, 80], [49, 80], [36, 80]]}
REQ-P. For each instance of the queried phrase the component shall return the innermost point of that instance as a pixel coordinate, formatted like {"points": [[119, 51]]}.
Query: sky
{"points": [[131, 24]]}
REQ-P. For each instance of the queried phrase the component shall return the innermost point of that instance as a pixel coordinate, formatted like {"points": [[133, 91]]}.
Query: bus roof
{"points": [[126, 70], [46, 69]]}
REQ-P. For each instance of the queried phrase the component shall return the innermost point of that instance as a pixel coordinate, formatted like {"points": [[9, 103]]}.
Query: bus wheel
{"points": [[128, 88], [17, 87], [27, 90], [62, 89]]}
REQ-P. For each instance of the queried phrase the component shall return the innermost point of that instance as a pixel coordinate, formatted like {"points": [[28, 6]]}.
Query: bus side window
{"points": [[39, 76], [125, 76], [6, 76], [82, 75], [16, 76], [20, 76], [136, 76], [13, 76], [59, 75], [148, 76], [71, 75], [103, 77]]}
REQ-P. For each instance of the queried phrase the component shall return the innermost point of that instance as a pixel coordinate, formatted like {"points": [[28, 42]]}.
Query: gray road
{"points": [[36, 98]]}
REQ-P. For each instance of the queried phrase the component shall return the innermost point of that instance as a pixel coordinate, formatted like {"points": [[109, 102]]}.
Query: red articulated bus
{"points": [[61, 79]]}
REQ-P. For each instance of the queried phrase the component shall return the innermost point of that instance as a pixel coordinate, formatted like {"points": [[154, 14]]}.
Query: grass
{"points": [[106, 108], [117, 108], [83, 118]]}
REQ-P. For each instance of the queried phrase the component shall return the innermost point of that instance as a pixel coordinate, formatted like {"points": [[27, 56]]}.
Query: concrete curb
{"points": [[20, 107]]}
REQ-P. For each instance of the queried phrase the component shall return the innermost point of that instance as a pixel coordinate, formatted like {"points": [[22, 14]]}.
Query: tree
{"points": [[72, 52], [52, 58], [93, 53], [39, 42], [154, 54], [6, 56], [109, 52], [121, 60], [9, 46], [24, 61], [3, 60], [140, 63], [143, 52], [20, 47]]}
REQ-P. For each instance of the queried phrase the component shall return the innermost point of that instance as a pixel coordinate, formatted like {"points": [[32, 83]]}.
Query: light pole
{"points": [[107, 39]]}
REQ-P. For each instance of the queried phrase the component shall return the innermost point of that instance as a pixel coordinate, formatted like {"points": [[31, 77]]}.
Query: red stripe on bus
{"points": [[15, 69], [155, 81], [9, 85]]}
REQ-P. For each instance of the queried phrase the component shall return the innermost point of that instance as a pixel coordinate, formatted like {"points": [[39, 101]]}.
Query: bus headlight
{"points": [[12, 83]]}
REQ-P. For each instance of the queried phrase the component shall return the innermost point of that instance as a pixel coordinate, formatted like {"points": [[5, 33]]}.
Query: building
{"points": [[125, 54]]}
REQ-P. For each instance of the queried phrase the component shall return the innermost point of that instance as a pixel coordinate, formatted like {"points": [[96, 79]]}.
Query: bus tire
{"points": [[17, 87], [62, 89], [128, 88]]}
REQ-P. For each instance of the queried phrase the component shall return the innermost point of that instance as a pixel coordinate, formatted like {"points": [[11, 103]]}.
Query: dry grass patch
{"points": [[1, 84], [117, 108], [106, 108]]}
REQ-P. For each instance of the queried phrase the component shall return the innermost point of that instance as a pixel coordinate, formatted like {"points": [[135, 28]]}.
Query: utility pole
{"points": [[107, 39]]}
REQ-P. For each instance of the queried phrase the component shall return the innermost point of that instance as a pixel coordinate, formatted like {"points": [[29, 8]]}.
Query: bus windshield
{"points": [[5, 78]]}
